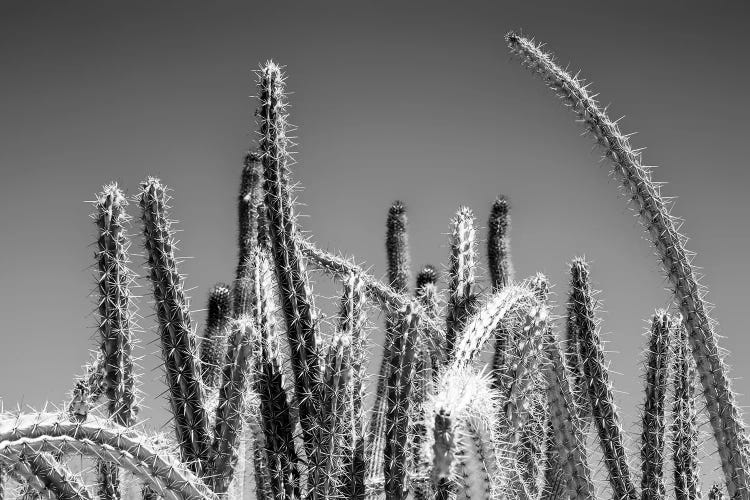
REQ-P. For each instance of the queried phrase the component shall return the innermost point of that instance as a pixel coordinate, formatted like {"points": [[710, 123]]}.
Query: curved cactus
{"points": [[654, 213], [178, 342]]}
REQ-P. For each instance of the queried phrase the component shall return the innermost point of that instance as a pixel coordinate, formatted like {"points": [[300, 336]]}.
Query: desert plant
{"points": [[441, 426]]}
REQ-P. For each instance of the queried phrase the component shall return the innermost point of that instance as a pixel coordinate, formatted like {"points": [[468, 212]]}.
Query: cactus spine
{"points": [[652, 437], [179, 351], [654, 213]]}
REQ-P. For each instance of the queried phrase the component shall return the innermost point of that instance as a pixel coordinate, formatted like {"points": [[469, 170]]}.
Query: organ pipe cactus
{"points": [[441, 427]]}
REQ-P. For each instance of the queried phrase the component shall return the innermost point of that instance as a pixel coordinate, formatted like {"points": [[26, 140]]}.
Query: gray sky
{"points": [[417, 102]]}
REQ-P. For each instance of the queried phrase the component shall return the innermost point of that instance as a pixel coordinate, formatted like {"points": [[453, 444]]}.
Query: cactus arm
{"points": [[400, 382], [213, 344], [600, 389], [652, 437], [397, 249], [98, 438], [574, 362], [498, 244], [443, 451], [725, 414], [249, 208], [566, 427], [461, 271], [177, 338], [294, 287], [275, 418], [52, 477], [684, 422], [352, 319]]}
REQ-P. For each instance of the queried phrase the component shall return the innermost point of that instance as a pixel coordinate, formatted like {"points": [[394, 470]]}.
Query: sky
{"points": [[415, 101]]}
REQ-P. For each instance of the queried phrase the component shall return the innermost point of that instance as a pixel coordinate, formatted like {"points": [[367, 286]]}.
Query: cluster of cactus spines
{"points": [[498, 244], [715, 493], [684, 422], [653, 421], [399, 274], [213, 343], [663, 228], [178, 341], [447, 431], [293, 284], [600, 391], [461, 275]]}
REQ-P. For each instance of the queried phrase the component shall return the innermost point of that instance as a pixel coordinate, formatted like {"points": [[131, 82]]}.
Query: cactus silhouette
{"points": [[273, 403]]}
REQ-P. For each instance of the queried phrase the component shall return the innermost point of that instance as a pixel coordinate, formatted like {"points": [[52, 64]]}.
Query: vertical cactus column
{"points": [[397, 249], [213, 345], [115, 321], [294, 288], [498, 244], [178, 342], [599, 388], [663, 228], [684, 422], [250, 211], [652, 436], [461, 273]]}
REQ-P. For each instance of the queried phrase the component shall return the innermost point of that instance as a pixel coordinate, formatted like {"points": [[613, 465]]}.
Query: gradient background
{"points": [[416, 101]]}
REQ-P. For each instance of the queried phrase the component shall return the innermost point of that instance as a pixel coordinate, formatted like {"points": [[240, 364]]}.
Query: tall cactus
{"points": [[294, 287], [600, 392], [251, 219], [652, 434], [663, 228], [498, 244], [397, 249], [178, 342]]}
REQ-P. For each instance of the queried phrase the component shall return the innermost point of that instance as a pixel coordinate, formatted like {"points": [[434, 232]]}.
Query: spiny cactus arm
{"points": [[652, 436], [399, 272], [426, 293], [249, 208], [52, 476], [352, 320], [508, 306], [213, 344], [573, 359], [684, 422], [443, 451], [600, 390], [107, 480], [236, 373], [97, 438], [498, 244], [400, 383], [178, 341], [294, 287], [461, 273], [565, 424], [653, 211], [114, 302], [279, 453]]}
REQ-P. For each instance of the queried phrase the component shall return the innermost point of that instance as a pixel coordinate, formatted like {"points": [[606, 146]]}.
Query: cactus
{"points": [[684, 422], [448, 429], [599, 388], [663, 228], [177, 337], [652, 437]]}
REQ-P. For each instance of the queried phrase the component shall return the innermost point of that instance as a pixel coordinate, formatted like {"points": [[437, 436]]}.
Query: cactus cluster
{"points": [[271, 403]]}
